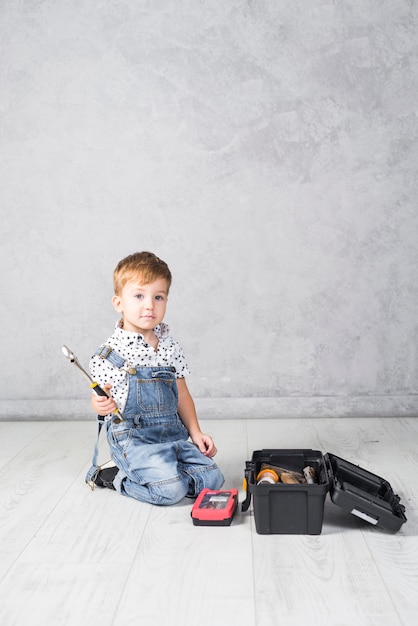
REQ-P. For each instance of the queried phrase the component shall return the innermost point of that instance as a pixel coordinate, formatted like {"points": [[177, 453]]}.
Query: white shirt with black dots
{"points": [[132, 347]]}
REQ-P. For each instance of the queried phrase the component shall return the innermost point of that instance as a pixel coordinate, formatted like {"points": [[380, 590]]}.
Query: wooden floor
{"points": [[70, 556]]}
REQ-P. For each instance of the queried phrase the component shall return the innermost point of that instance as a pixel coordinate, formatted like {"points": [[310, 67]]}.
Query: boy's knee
{"points": [[215, 479], [210, 478], [169, 492], [161, 493]]}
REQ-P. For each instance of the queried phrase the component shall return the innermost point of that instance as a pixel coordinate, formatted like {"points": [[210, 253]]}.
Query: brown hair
{"points": [[146, 265]]}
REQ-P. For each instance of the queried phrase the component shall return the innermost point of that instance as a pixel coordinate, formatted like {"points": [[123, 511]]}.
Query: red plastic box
{"points": [[215, 507]]}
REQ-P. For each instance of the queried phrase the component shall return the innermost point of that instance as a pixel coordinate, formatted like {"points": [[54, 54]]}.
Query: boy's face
{"points": [[143, 306]]}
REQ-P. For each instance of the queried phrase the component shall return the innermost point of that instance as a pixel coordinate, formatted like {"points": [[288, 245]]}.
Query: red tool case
{"points": [[215, 507]]}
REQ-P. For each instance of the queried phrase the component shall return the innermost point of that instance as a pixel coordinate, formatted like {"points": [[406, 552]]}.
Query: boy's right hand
{"points": [[102, 405]]}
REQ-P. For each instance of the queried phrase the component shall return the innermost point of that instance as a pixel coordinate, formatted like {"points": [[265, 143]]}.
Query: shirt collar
{"points": [[126, 336]]}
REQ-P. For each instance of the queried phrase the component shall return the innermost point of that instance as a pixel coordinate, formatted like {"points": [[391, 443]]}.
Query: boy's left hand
{"points": [[205, 444]]}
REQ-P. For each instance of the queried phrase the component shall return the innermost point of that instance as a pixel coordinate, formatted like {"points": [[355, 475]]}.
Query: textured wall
{"points": [[267, 150]]}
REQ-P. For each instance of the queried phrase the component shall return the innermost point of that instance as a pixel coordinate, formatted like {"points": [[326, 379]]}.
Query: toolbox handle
{"points": [[249, 472]]}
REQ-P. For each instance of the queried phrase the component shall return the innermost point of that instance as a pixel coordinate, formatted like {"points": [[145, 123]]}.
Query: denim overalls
{"points": [[157, 463]]}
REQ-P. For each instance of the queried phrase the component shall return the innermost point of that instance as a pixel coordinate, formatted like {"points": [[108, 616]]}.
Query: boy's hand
{"points": [[205, 444], [102, 405]]}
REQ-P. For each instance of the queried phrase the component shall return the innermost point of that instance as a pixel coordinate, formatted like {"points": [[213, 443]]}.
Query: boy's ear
{"points": [[116, 301]]}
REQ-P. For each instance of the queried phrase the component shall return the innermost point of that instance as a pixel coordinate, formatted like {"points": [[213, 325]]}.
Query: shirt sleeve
{"points": [[182, 369]]}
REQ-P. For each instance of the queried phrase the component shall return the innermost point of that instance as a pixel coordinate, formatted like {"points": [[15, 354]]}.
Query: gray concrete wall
{"points": [[267, 150]]}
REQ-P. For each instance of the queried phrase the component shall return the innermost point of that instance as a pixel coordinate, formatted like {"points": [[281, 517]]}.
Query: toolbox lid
{"points": [[363, 494]]}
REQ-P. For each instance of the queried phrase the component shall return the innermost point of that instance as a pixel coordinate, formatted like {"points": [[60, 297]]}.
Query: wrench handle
{"points": [[101, 392], [97, 389]]}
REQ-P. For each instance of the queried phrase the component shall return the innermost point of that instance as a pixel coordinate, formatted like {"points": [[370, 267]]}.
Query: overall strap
{"points": [[108, 353], [104, 352], [95, 469]]}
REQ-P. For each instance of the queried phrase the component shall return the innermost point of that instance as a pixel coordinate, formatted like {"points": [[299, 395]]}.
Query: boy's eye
{"points": [[139, 296], [159, 297]]}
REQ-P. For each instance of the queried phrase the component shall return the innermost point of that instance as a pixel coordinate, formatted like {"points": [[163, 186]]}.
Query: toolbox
{"points": [[299, 508]]}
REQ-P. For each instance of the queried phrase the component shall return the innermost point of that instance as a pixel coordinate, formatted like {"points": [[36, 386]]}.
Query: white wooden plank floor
{"points": [[70, 556]]}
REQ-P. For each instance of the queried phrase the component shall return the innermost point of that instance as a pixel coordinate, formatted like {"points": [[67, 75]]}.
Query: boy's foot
{"points": [[105, 477]]}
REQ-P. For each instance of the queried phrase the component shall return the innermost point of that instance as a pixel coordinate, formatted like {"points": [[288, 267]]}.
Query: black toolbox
{"points": [[299, 508]]}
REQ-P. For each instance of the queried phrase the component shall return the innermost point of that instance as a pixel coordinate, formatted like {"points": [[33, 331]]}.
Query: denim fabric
{"points": [[157, 463]]}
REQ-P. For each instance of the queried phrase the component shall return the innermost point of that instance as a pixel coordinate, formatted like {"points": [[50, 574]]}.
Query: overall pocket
{"points": [[119, 438], [157, 395]]}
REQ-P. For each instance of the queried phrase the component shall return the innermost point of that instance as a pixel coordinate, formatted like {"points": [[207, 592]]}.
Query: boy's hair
{"points": [[144, 265]]}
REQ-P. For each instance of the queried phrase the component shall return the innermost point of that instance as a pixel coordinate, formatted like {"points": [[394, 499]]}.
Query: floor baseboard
{"points": [[231, 408]]}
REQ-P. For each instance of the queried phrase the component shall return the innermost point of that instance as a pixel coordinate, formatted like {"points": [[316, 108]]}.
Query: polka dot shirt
{"points": [[132, 347]]}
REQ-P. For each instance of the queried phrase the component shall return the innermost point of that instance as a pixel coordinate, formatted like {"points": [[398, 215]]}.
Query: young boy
{"points": [[142, 368]]}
